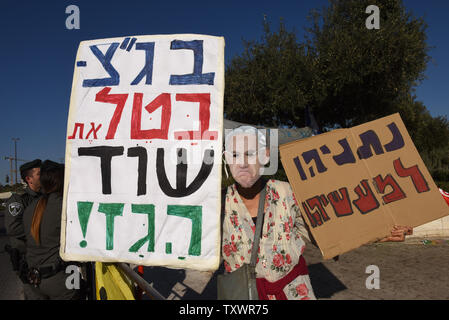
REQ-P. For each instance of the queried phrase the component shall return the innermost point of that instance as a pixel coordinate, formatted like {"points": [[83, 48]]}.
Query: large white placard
{"points": [[144, 143]]}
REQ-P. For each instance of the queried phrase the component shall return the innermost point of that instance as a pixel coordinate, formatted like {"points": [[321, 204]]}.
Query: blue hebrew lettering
{"points": [[147, 70], [313, 155], [397, 142], [197, 77], [298, 165], [369, 139], [346, 156], [105, 61]]}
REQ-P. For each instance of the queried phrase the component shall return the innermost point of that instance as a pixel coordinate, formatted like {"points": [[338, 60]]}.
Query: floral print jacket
{"points": [[281, 244]]}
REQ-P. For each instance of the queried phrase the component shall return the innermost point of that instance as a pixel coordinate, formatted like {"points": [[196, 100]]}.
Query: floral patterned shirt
{"points": [[281, 244]]}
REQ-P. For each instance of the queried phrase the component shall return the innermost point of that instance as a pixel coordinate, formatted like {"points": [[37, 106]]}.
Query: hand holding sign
{"points": [[359, 185]]}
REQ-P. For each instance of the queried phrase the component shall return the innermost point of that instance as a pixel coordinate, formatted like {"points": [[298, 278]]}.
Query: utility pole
{"points": [[15, 154], [11, 159]]}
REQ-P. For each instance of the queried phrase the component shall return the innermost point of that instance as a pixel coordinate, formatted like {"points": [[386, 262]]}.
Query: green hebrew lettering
{"points": [[193, 213], [84, 209], [111, 210], [147, 209]]}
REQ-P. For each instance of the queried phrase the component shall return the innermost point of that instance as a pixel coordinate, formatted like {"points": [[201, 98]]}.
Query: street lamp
{"points": [[15, 155]]}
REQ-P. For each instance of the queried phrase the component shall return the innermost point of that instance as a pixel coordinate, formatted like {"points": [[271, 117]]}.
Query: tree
{"points": [[344, 72], [365, 73], [429, 134], [268, 83]]}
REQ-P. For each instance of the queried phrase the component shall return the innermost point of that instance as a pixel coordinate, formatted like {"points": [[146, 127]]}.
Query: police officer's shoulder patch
{"points": [[14, 208]]}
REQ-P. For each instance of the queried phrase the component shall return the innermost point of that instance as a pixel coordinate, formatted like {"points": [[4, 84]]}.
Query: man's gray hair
{"points": [[261, 138]]}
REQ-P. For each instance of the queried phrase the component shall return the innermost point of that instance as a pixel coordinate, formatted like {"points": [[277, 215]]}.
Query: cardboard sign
{"points": [[143, 152], [353, 185]]}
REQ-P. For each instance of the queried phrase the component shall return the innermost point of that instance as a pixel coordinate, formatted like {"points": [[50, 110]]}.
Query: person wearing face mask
{"points": [[281, 271]]}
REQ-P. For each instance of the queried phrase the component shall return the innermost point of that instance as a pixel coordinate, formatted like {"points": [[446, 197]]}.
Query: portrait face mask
{"points": [[242, 156]]}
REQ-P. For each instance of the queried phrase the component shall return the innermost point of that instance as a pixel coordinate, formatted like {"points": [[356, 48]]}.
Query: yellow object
{"points": [[112, 283]]}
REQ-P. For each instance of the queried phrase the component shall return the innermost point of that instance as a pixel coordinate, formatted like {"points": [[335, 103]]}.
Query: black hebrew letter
{"points": [[141, 153], [182, 190], [105, 153]]}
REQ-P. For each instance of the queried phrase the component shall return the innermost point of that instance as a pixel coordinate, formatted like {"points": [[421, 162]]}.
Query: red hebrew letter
{"points": [[340, 202], [119, 100], [163, 100], [203, 133], [367, 201], [395, 194], [315, 202], [413, 172], [93, 130], [75, 130], [316, 217]]}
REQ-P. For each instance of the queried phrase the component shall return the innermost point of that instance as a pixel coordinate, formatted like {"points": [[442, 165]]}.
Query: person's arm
{"points": [[14, 218], [398, 234], [299, 227]]}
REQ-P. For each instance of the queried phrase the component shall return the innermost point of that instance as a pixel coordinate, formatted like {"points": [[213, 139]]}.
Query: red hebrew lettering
{"points": [[119, 100], [163, 100], [324, 200], [316, 217], [315, 203], [203, 133], [395, 194], [77, 126], [413, 172], [93, 130], [341, 202], [367, 201]]}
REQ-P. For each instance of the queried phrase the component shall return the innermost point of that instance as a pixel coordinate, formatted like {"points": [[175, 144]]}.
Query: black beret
{"points": [[48, 165], [30, 165]]}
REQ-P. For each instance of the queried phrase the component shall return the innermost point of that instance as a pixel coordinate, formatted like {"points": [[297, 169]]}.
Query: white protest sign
{"points": [[143, 152]]}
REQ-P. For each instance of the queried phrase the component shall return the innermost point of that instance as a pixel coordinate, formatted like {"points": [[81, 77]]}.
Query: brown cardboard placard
{"points": [[353, 185]]}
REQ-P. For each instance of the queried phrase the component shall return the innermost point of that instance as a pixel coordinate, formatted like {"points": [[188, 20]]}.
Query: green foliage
{"points": [[267, 84], [443, 185], [347, 74], [365, 73], [18, 187], [430, 135]]}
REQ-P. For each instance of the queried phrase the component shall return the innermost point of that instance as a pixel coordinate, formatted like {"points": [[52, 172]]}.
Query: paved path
{"points": [[409, 270], [10, 285]]}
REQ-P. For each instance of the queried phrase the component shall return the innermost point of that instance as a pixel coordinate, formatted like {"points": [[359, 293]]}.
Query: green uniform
{"points": [[15, 208], [45, 256]]}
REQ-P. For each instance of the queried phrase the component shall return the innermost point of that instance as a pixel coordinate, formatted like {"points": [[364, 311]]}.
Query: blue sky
{"points": [[37, 53]]}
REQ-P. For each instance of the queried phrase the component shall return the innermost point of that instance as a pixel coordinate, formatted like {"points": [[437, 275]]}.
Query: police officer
{"points": [[15, 207], [42, 222]]}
